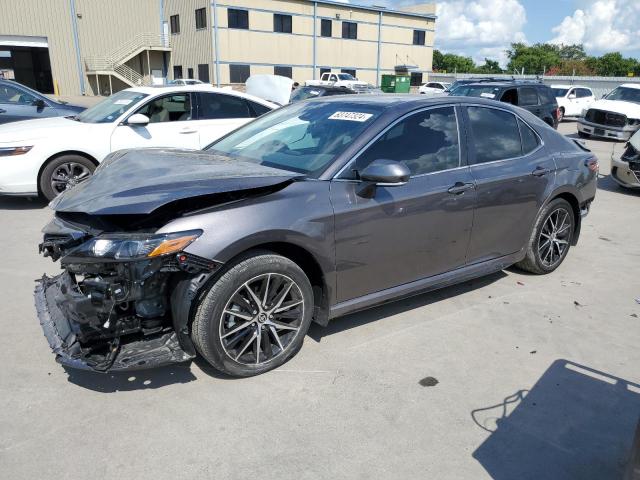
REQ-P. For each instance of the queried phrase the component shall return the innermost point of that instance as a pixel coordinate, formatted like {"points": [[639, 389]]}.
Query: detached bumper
{"points": [[626, 174], [60, 331]]}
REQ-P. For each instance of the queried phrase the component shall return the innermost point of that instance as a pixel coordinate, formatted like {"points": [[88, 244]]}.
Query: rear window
{"points": [[546, 95], [528, 97], [476, 91], [496, 135]]}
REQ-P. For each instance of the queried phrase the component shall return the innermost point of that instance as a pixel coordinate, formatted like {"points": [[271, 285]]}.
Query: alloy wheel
{"points": [[67, 175], [555, 234], [261, 319]]}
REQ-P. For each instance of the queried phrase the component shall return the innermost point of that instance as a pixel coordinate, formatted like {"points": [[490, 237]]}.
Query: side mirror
{"points": [[39, 103], [384, 173], [138, 120], [572, 96]]}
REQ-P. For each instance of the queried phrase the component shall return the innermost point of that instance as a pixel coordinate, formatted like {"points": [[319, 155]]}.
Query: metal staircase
{"points": [[114, 63]]}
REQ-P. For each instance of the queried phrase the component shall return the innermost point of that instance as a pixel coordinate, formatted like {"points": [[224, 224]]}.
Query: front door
{"points": [[171, 124], [513, 176], [409, 232]]}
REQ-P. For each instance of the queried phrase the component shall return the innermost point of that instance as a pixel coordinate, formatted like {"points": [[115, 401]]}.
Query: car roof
{"points": [[563, 85], [205, 87], [631, 85]]}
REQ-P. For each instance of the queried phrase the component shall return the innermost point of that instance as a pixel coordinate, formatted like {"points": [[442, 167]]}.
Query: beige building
{"points": [[96, 47]]}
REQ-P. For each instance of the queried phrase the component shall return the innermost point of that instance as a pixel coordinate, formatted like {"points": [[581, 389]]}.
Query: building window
{"points": [[349, 30], [324, 70], [283, 71], [349, 71], [203, 72], [201, 18], [281, 23], [174, 20], [177, 72], [239, 73], [418, 37], [325, 27], [416, 79], [238, 19]]}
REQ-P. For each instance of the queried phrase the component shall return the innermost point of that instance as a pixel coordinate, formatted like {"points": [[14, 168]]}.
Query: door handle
{"points": [[188, 130], [540, 172], [459, 188]]}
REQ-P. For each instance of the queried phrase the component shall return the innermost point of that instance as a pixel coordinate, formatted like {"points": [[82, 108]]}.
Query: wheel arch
{"points": [[58, 155], [572, 199]]}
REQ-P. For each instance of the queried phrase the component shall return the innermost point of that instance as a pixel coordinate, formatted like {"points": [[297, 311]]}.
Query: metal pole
{"points": [[110, 86], [379, 47], [149, 66], [315, 34], [97, 84], [214, 6], [76, 43]]}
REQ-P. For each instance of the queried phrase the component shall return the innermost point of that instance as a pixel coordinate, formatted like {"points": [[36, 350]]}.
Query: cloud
{"points": [[602, 26], [480, 28]]}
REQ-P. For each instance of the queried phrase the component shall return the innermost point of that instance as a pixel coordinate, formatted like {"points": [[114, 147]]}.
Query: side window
{"points": [[530, 140], [546, 96], [12, 95], [573, 91], [333, 78], [217, 105], [258, 109], [584, 93], [495, 134], [172, 108], [425, 142], [528, 97], [510, 96]]}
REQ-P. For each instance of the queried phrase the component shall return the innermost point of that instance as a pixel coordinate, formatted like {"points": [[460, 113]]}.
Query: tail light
{"points": [[592, 164]]}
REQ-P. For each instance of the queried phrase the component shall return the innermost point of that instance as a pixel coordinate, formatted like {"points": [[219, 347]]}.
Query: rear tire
{"points": [[550, 239], [262, 335], [63, 172]]}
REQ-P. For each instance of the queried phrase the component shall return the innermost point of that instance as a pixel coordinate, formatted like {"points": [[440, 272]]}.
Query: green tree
{"points": [[533, 59], [450, 62], [490, 66], [613, 65], [572, 52]]}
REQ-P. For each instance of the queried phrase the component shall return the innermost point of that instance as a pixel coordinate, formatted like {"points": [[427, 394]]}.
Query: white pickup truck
{"points": [[344, 80]]}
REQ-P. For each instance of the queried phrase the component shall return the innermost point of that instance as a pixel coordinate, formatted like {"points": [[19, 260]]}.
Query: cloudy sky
{"points": [[485, 28]]}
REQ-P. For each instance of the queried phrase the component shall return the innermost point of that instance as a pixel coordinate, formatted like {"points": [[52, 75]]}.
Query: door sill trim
{"points": [[459, 275]]}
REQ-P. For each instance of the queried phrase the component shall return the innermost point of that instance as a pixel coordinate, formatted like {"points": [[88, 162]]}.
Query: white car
{"points": [[345, 80], [572, 99], [51, 154], [186, 81], [434, 88], [616, 116]]}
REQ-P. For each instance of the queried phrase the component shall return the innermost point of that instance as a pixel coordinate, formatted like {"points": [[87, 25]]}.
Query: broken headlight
{"points": [[134, 246]]}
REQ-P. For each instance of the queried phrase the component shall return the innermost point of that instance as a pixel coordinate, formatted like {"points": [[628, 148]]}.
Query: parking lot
{"points": [[509, 376]]}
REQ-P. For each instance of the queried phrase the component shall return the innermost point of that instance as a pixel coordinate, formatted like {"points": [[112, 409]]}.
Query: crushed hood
{"points": [[140, 181], [630, 109]]}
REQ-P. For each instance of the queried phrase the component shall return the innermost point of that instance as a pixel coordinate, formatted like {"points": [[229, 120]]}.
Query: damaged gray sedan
{"points": [[313, 211]]}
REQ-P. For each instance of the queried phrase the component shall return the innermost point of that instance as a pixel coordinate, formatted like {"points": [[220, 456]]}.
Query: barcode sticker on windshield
{"points": [[351, 116], [488, 95], [122, 102]]}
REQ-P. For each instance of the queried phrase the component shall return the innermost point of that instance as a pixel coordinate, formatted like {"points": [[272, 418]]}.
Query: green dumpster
{"points": [[395, 83]]}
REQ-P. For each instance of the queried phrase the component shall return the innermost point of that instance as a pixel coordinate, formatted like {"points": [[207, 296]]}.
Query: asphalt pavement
{"points": [[509, 376]]}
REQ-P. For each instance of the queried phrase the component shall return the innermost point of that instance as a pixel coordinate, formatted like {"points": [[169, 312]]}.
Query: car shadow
{"points": [[355, 320], [576, 422], [134, 380], [605, 182], [22, 203]]}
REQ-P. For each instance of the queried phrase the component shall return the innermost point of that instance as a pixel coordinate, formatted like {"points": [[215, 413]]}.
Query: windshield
{"points": [[559, 92], [303, 93], [476, 91], [305, 137], [111, 107], [346, 76], [625, 94]]}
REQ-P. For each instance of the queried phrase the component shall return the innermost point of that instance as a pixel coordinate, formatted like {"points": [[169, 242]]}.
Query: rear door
{"points": [[171, 124], [218, 114], [528, 99], [408, 232], [513, 176]]}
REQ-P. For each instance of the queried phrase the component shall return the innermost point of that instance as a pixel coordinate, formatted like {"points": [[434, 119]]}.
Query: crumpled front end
{"points": [[122, 301]]}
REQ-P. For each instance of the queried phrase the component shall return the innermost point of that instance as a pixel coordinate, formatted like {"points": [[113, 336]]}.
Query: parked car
{"points": [[304, 93], [18, 102], [345, 80], [434, 88], [616, 116], [47, 156], [186, 81], [533, 96], [572, 100], [626, 169], [318, 209]]}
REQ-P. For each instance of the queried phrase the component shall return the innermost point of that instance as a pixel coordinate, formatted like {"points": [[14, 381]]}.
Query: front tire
{"points": [[64, 172], [255, 316], [551, 238]]}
